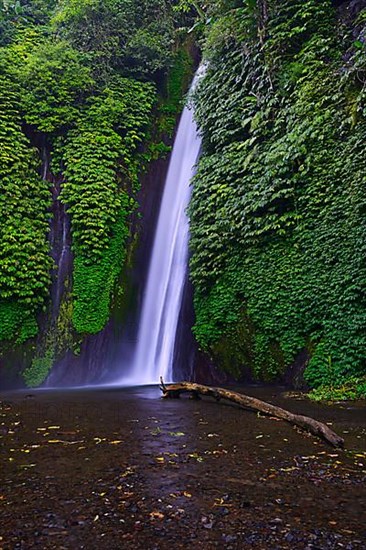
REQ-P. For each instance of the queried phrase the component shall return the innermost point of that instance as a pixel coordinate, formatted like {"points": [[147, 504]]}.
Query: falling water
{"points": [[168, 265], [59, 239]]}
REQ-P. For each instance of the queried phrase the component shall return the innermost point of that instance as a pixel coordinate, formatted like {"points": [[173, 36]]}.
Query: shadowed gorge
{"points": [[183, 201], [91, 94]]}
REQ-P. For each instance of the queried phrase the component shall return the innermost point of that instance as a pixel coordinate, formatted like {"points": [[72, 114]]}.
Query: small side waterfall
{"points": [[60, 241], [168, 265]]}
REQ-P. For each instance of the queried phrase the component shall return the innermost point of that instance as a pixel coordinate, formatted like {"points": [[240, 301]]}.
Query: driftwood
{"points": [[304, 422]]}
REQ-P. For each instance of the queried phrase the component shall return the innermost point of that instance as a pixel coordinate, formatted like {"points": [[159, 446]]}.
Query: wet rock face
{"points": [[294, 375], [349, 9], [356, 6], [101, 355]]}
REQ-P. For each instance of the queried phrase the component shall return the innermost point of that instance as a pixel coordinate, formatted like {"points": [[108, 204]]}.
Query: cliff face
{"points": [[89, 98], [278, 210]]}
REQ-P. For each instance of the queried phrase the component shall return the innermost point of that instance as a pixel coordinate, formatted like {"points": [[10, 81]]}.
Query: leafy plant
{"points": [[277, 214], [81, 82], [350, 390], [24, 203]]}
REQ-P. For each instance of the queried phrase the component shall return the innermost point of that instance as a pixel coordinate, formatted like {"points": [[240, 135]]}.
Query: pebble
{"points": [[229, 538]]}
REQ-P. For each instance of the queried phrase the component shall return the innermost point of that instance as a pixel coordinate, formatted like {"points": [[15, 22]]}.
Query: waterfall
{"points": [[59, 241], [168, 264]]}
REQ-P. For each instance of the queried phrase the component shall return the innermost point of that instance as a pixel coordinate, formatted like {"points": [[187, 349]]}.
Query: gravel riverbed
{"points": [[121, 468]]}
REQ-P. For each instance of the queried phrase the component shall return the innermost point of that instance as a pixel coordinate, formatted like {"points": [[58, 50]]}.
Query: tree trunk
{"points": [[304, 422]]}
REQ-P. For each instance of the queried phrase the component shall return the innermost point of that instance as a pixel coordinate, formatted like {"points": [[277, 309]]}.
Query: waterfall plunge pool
{"points": [[120, 468]]}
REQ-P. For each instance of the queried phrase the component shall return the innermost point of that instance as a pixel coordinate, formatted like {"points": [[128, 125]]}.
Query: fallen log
{"points": [[245, 401]]}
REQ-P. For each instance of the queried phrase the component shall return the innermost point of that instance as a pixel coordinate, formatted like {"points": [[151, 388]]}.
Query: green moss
{"points": [[179, 78], [15, 322], [94, 283], [64, 336], [24, 249], [235, 347], [28, 329], [58, 339], [38, 371], [354, 388]]}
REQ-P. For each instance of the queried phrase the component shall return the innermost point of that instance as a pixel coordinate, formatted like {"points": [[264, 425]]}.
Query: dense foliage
{"points": [[99, 170], [24, 259], [82, 82], [278, 210]]}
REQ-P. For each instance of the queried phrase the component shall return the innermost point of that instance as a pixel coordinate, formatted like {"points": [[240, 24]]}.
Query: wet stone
{"points": [[229, 538]]}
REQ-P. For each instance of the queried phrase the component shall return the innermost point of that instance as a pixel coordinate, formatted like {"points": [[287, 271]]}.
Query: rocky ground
{"points": [[124, 469]]}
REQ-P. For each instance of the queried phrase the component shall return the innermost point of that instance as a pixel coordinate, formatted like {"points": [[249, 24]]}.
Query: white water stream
{"points": [[168, 265]]}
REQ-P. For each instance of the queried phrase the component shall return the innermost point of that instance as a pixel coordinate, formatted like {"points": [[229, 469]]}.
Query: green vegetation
{"points": [[278, 210], [352, 389], [39, 369], [101, 173], [94, 282], [178, 82], [82, 82], [24, 201], [132, 37]]}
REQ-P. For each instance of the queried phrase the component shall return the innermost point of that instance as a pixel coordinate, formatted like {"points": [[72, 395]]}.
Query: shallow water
{"points": [[125, 469]]}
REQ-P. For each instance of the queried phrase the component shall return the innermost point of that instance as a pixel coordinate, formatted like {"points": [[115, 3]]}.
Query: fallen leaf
{"points": [[196, 457], [156, 515]]}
